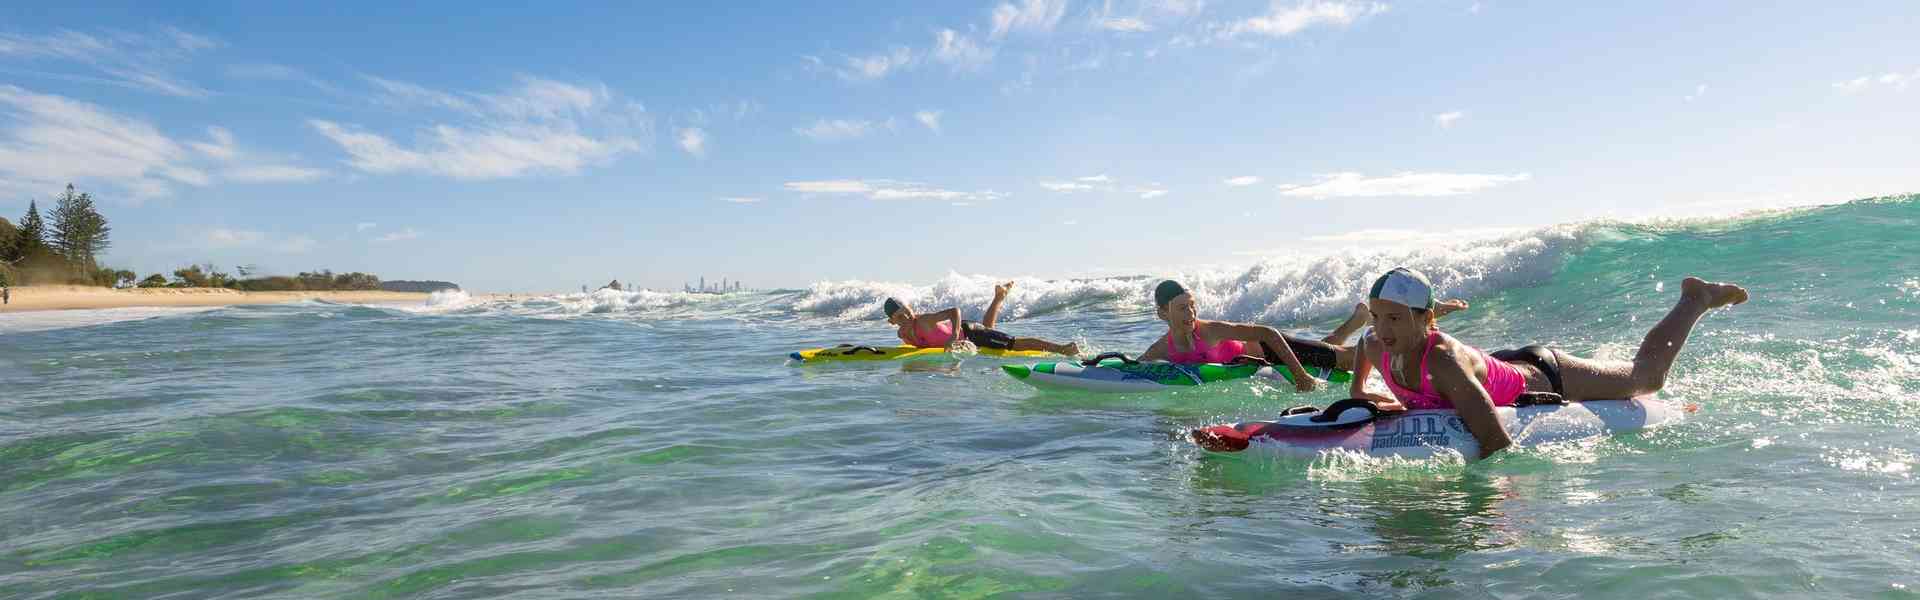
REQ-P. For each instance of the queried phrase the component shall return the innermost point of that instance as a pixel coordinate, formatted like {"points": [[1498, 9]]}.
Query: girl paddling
{"points": [[1190, 340], [1425, 368], [945, 329]]}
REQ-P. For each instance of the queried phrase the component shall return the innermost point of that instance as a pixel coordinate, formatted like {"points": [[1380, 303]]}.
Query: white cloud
{"points": [[877, 66], [1126, 24], [539, 127], [1101, 182], [1179, 7], [397, 236], [403, 94], [929, 118], [139, 61], [886, 189], [273, 174], [278, 72], [1698, 92], [220, 146], [1070, 222], [1242, 181], [740, 199], [1446, 119], [1282, 20], [959, 51], [51, 140], [833, 130], [1897, 81], [364, 226], [1066, 187], [831, 186], [1356, 185], [1151, 194], [694, 141], [1037, 16]]}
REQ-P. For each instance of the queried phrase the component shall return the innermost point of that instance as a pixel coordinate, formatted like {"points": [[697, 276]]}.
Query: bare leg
{"points": [[1069, 349], [993, 308], [1586, 379], [1448, 306], [1359, 319]]}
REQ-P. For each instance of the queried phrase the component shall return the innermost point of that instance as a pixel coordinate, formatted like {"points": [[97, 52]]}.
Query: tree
{"points": [[79, 231], [124, 278], [32, 237], [191, 276], [153, 281], [7, 234]]}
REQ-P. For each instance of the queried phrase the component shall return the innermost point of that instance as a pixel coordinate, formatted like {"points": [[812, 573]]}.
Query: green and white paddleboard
{"points": [[1116, 375]]}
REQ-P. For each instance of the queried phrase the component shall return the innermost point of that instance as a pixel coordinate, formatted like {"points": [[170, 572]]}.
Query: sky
{"points": [[521, 149]]}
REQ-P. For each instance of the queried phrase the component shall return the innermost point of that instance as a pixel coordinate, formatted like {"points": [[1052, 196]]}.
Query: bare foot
{"points": [[1000, 291], [1449, 306], [1714, 295]]}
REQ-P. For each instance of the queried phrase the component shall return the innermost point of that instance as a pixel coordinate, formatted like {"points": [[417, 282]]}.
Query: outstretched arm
{"points": [[1261, 334], [1453, 377], [1362, 367]]}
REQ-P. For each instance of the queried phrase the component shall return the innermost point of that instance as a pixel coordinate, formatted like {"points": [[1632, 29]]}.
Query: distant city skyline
{"points": [[519, 150]]}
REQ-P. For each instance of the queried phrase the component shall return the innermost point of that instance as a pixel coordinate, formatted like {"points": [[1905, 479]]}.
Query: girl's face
{"points": [[1397, 326], [1179, 313], [900, 318]]}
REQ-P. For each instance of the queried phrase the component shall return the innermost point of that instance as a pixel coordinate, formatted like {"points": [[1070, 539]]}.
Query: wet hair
{"points": [[892, 305], [1164, 293]]}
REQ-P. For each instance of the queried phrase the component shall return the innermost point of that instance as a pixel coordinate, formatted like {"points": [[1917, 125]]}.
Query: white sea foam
{"points": [[43, 320], [1273, 290]]}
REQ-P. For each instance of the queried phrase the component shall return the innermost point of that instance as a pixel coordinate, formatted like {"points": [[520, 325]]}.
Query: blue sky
{"points": [[523, 150]]}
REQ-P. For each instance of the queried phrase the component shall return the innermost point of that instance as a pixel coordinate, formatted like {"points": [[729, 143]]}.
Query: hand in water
{"points": [[962, 347], [1305, 384]]}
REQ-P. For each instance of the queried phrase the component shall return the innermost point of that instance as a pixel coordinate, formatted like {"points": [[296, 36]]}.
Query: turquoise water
{"points": [[658, 445]]}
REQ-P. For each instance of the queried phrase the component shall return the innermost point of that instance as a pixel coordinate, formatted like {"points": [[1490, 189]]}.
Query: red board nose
{"points": [[1220, 438]]}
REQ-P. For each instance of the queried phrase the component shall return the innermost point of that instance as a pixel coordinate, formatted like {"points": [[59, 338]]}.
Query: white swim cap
{"points": [[1405, 287]]}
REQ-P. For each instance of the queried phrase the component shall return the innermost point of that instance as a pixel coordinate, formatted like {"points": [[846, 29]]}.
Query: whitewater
{"points": [[660, 445]]}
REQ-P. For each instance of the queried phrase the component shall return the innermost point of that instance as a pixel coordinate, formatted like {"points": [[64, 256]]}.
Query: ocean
{"points": [[659, 445]]}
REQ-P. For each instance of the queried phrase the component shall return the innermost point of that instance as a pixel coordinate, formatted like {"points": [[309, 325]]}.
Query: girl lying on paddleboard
{"points": [[945, 329], [1190, 340], [1443, 372]]}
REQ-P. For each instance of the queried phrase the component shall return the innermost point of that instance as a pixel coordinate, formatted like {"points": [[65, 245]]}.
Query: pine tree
{"points": [[79, 232], [32, 235]]}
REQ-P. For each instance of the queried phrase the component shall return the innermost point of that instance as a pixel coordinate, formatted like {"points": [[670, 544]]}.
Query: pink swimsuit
{"points": [[1202, 352], [941, 336], [1504, 382]]}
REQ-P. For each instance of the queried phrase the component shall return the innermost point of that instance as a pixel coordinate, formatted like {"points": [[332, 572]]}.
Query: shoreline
{"points": [[74, 297]]}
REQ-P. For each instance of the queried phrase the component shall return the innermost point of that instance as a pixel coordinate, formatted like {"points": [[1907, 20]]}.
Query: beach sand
{"points": [[65, 297]]}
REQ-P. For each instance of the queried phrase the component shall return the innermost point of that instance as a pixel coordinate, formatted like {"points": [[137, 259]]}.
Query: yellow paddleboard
{"points": [[846, 352]]}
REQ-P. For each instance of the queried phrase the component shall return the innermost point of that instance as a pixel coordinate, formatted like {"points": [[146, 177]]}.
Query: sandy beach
{"points": [[66, 297]]}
